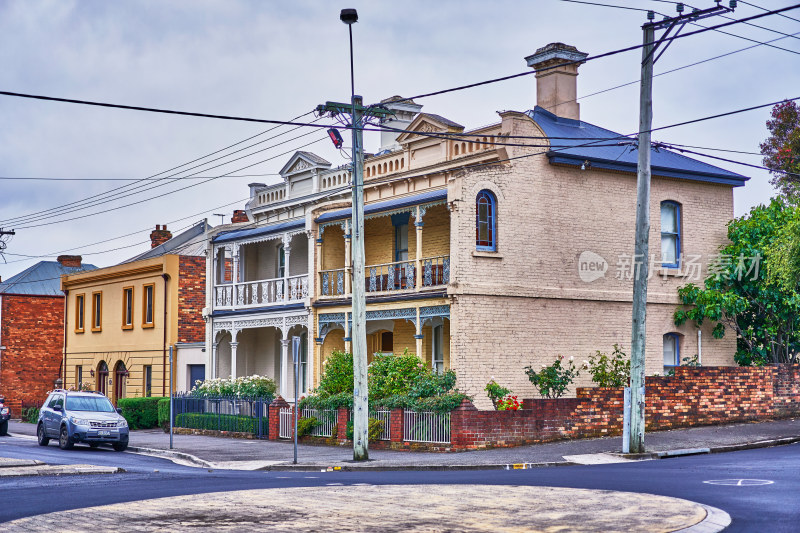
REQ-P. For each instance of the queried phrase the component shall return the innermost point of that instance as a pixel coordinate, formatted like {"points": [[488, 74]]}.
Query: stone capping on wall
{"points": [[695, 396]]}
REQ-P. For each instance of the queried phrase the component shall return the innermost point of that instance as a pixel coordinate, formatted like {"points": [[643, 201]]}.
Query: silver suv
{"points": [[78, 416]]}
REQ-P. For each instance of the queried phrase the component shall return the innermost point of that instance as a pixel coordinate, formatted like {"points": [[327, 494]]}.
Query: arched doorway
{"points": [[102, 377], [120, 380]]}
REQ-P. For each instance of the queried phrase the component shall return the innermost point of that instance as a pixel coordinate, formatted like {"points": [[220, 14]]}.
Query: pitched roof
{"points": [[41, 279], [619, 154], [248, 233], [191, 242], [386, 205], [314, 157]]}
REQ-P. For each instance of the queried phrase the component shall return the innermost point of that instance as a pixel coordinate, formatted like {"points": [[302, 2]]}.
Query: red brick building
{"points": [[32, 331]]}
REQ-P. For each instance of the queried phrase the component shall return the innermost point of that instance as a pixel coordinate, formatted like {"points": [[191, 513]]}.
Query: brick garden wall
{"points": [[33, 336], [191, 299], [695, 396]]}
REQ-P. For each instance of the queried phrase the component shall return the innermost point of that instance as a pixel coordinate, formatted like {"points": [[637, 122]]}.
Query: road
{"points": [[771, 506]]}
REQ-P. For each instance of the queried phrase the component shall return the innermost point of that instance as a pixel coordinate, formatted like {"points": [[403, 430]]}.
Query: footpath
{"points": [[247, 454]]}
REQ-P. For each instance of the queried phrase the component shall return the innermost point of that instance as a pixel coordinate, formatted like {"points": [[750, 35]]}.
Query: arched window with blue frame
{"points": [[486, 221], [672, 351], [670, 234]]}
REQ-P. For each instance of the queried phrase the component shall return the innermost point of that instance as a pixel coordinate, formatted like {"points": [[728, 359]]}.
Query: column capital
{"points": [[285, 342]]}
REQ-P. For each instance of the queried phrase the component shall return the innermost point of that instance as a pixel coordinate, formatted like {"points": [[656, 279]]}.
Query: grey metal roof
{"points": [[41, 279], [240, 234], [313, 157], [440, 118], [191, 242], [395, 203], [618, 153]]}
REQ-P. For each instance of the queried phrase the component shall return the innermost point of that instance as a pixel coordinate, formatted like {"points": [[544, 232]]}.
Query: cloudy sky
{"points": [[278, 60]]}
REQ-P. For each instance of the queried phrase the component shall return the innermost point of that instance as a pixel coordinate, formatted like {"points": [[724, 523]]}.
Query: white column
{"points": [[287, 252], [234, 345], [347, 259], [418, 224], [285, 369], [214, 356]]}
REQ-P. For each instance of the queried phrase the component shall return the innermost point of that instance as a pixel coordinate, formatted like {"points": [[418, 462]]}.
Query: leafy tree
{"points": [[781, 150], [763, 313]]}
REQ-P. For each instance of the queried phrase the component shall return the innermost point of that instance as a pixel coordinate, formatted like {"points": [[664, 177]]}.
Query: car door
{"points": [[53, 420]]}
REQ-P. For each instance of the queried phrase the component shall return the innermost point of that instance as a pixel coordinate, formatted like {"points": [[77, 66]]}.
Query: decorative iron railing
{"points": [[436, 271], [262, 292], [391, 276], [332, 282], [222, 413]]}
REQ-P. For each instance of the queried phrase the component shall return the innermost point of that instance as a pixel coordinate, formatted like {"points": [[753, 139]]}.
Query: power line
{"points": [[144, 182], [765, 9], [677, 148]]}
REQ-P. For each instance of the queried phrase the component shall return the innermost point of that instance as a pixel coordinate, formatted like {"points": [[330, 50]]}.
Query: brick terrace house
{"points": [[122, 319], [32, 331], [474, 244]]}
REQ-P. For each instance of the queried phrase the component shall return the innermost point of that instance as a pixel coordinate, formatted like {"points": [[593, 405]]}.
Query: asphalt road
{"points": [[771, 506]]}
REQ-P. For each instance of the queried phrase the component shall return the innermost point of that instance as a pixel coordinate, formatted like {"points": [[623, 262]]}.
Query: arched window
{"points": [[486, 221], [456, 149], [672, 351], [670, 234], [102, 377]]}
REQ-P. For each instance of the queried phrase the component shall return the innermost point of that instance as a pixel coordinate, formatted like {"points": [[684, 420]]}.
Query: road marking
{"points": [[334, 484], [311, 477], [739, 482], [596, 459]]}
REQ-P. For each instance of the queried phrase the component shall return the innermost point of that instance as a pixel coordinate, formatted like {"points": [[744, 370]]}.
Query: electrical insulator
{"points": [[651, 15], [679, 7]]}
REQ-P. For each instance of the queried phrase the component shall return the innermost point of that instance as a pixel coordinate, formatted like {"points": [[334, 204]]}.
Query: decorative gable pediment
{"points": [[428, 123], [303, 161]]}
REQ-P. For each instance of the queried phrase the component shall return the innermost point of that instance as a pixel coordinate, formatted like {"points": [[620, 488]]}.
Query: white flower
{"points": [[571, 357]]}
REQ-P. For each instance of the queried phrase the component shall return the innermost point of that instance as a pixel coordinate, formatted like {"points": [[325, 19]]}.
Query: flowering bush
{"points": [[609, 371], [496, 393], [254, 386], [509, 403], [552, 381]]}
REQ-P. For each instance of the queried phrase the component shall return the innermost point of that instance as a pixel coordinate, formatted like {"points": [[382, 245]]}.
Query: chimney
{"points": [[159, 236], [70, 260], [239, 215], [557, 88], [405, 111]]}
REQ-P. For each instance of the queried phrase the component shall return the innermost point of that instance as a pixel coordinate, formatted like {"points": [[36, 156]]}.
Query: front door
{"points": [[102, 378], [196, 373], [120, 380]]}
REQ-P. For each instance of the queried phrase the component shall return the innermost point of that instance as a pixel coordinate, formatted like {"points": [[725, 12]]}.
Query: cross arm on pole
{"points": [[339, 108]]}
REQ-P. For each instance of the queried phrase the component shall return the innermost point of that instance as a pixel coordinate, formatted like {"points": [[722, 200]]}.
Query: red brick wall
{"points": [[191, 299], [33, 334]]}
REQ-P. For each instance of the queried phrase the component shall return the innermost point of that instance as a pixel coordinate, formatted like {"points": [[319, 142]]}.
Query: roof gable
{"points": [[301, 161], [41, 279], [429, 123]]}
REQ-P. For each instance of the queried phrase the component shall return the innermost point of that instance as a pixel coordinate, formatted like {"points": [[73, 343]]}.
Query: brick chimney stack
{"points": [[557, 88], [70, 260], [239, 215], [159, 236]]}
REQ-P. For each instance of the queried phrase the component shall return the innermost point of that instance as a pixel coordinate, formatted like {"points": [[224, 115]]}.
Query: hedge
{"points": [[163, 414], [240, 424], [141, 413]]}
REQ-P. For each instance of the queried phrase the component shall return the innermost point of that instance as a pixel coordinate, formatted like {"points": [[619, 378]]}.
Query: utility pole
{"points": [[641, 257], [359, 115], [3, 233]]}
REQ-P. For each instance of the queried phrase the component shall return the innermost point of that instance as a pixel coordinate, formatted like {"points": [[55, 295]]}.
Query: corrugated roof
{"points": [[236, 235], [41, 279], [313, 157], [443, 120], [394, 203], [614, 156], [191, 242]]}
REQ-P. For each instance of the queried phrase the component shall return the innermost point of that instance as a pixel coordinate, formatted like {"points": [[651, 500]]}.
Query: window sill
{"points": [[148, 326], [97, 330], [493, 255], [127, 328], [674, 272]]}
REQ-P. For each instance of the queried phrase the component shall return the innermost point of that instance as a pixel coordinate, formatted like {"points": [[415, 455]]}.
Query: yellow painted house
{"points": [[122, 320]]}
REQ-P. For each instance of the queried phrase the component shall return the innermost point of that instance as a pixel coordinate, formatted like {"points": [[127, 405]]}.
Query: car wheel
{"points": [[42, 436], [120, 446], [4, 428], [63, 440]]}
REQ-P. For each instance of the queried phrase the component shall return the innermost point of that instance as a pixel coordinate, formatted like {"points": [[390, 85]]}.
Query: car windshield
{"points": [[88, 403]]}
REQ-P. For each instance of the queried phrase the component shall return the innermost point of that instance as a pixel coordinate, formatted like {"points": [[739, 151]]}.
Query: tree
{"points": [[762, 309], [781, 150]]}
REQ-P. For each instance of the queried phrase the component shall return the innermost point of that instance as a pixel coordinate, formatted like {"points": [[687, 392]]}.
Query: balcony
{"points": [[261, 293], [401, 276]]}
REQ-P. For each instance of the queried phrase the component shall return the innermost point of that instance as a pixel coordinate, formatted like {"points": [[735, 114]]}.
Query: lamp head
{"points": [[348, 16]]}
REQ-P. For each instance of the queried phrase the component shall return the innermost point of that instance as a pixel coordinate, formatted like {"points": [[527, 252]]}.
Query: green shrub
{"points": [[240, 424], [163, 414], [30, 415], [254, 386], [374, 429], [306, 425], [141, 413], [393, 375], [337, 374], [552, 381], [609, 371]]}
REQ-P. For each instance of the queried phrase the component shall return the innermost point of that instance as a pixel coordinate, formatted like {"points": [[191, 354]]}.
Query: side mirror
{"points": [[119, 410], [57, 408]]}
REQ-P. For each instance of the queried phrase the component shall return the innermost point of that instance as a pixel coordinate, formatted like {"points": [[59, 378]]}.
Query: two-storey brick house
{"points": [[475, 242], [122, 319]]}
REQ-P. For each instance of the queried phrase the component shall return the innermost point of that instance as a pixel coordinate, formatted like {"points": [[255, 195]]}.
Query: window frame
{"points": [[78, 377], [80, 312], [437, 337], [97, 311], [676, 339], [127, 317], [281, 258], [147, 376], [152, 302], [676, 234], [491, 222]]}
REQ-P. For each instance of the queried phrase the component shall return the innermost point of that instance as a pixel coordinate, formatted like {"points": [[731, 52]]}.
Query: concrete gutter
{"points": [[58, 470]]}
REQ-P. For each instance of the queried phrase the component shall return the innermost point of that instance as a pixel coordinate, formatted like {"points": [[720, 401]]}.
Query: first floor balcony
{"points": [[261, 293], [399, 276]]}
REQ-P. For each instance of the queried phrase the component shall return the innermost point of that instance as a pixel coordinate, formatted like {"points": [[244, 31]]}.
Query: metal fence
{"points": [[385, 417], [286, 423], [222, 413], [326, 421], [426, 426]]}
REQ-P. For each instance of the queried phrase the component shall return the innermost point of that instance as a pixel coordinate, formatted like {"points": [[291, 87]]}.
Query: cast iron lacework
{"points": [[325, 283], [340, 282]]}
